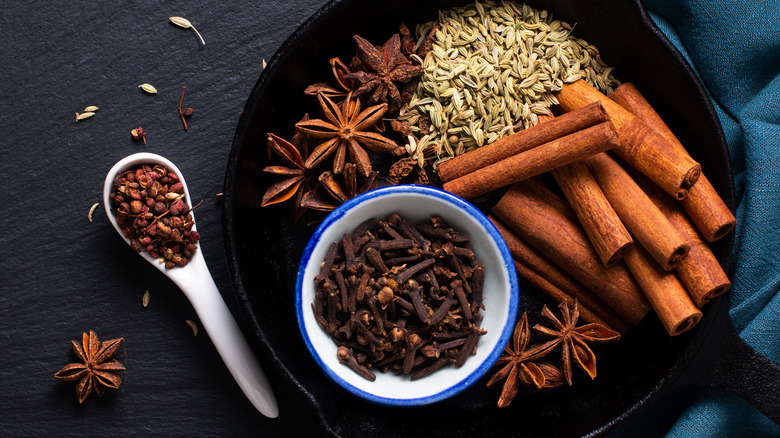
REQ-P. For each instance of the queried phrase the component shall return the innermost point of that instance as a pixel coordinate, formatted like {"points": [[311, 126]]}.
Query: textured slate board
{"points": [[62, 275]]}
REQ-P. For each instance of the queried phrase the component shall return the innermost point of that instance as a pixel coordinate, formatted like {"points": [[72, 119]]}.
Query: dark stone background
{"points": [[61, 275]]}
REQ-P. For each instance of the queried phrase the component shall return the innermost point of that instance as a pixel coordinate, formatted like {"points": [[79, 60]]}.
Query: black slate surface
{"points": [[62, 275]]}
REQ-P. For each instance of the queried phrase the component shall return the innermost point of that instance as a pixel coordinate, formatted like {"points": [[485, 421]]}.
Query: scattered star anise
{"points": [[332, 192], [384, 68], [518, 368], [345, 129], [94, 370], [296, 175], [574, 340]]}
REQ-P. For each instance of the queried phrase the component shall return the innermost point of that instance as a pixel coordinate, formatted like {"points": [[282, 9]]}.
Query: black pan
{"points": [[264, 246]]}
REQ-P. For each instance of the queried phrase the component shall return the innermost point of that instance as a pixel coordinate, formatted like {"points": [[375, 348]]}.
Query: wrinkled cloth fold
{"points": [[734, 47]]}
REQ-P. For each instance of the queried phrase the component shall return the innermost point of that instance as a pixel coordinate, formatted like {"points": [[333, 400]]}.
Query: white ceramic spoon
{"points": [[194, 279]]}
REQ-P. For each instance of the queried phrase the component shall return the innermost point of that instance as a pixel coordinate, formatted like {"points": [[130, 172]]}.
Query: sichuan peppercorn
{"points": [[148, 202]]}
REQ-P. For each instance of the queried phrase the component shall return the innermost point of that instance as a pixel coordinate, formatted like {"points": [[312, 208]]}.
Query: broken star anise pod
{"points": [[385, 68], [518, 368], [95, 369], [342, 88], [294, 173], [574, 340], [345, 129], [332, 191]]}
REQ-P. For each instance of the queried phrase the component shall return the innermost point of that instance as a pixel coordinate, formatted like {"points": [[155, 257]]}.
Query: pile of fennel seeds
{"points": [[492, 71]]}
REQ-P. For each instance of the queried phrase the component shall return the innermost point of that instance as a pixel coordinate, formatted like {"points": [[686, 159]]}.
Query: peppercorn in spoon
{"points": [[193, 276]]}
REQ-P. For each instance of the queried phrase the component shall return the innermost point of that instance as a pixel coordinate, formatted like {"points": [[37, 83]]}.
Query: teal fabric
{"points": [[734, 45]]}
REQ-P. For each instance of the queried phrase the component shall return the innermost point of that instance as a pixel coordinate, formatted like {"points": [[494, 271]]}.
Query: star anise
{"points": [[518, 370], [385, 68], [94, 370], [345, 129], [342, 88], [295, 174], [332, 191], [574, 340]]}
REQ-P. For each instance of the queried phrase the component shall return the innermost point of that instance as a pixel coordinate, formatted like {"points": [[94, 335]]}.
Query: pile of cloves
{"points": [[400, 297]]}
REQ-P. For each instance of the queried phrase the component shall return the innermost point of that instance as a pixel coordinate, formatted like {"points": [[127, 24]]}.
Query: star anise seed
{"points": [[96, 370], [574, 340]]}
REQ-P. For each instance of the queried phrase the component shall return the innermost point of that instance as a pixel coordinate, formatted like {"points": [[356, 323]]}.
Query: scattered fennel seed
{"points": [[148, 88], [83, 116], [183, 22], [193, 326], [92, 210]]}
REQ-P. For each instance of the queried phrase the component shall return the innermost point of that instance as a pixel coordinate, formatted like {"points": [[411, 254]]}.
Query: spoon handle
{"points": [[227, 337]]}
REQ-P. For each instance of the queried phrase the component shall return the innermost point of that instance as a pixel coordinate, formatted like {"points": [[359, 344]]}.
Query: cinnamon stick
{"points": [[555, 283], [554, 234], [559, 296], [699, 272], [640, 145], [640, 215], [666, 294], [521, 141], [706, 208], [556, 153], [602, 225]]}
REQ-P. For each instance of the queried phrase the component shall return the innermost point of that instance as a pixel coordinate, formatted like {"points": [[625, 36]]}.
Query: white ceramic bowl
{"points": [[418, 204]]}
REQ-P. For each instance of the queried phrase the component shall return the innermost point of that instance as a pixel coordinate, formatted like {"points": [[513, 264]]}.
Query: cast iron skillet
{"points": [[264, 247]]}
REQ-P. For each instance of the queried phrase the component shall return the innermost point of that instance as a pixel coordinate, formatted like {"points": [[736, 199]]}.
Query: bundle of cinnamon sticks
{"points": [[629, 233]]}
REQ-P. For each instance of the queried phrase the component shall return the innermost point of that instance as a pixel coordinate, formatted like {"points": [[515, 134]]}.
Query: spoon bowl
{"points": [[194, 279], [108, 187]]}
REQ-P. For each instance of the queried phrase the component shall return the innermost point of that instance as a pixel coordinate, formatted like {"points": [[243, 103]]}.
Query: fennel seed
{"points": [[148, 88], [92, 210], [183, 22], [193, 326]]}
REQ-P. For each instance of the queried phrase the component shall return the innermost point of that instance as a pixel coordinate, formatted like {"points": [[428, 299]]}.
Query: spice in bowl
{"points": [[401, 298], [148, 201]]}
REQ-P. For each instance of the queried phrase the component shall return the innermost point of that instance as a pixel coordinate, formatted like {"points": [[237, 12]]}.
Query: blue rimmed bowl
{"points": [[418, 204]]}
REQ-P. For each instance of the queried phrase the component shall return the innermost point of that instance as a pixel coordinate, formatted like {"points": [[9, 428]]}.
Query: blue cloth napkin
{"points": [[734, 45]]}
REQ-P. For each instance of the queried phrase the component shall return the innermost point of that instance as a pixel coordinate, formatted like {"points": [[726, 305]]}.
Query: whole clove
{"points": [[347, 357], [399, 297]]}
